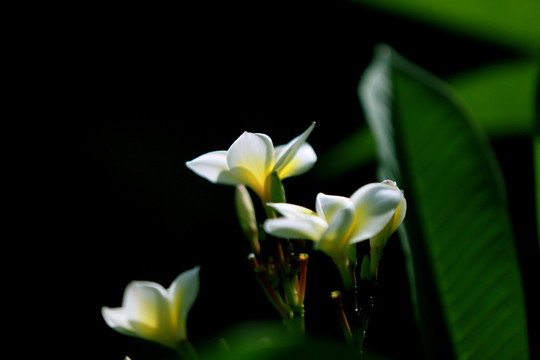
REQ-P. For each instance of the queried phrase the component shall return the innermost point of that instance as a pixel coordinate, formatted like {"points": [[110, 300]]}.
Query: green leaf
{"points": [[537, 174], [500, 96], [511, 23], [457, 234], [536, 156]]}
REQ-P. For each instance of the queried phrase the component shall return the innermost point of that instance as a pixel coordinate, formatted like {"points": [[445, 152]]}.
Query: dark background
{"points": [[155, 86]]}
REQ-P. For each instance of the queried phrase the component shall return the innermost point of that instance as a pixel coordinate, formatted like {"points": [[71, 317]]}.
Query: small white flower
{"points": [[153, 313], [252, 159], [373, 211]]}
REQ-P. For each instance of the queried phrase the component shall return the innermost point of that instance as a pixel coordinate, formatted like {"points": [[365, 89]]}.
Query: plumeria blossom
{"points": [[251, 160], [154, 313], [373, 211]]}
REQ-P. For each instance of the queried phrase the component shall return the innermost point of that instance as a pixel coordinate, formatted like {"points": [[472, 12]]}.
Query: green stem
{"points": [[364, 304], [375, 255], [295, 325]]}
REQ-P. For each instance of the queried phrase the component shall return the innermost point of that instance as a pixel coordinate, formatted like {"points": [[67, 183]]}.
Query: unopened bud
{"points": [[246, 215]]}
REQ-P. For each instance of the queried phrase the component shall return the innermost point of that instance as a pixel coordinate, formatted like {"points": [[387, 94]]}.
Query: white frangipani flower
{"points": [[154, 313], [374, 210], [252, 159]]}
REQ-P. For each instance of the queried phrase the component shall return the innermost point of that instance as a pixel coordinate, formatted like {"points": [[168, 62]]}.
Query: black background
{"points": [[150, 87]]}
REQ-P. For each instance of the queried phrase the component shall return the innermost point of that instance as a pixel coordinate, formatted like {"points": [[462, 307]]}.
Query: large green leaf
{"points": [[537, 175], [457, 233], [511, 23]]}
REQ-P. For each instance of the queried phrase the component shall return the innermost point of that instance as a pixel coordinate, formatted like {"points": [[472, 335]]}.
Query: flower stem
{"points": [[262, 277], [364, 304]]}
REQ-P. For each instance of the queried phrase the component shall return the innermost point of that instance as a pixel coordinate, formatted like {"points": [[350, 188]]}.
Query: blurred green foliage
{"points": [[501, 97], [511, 23]]}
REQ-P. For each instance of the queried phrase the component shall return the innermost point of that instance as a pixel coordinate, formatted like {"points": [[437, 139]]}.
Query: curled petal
{"points": [[328, 205], [375, 205], [378, 241], [213, 167], [302, 157], [302, 161], [250, 159], [334, 241], [399, 215], [182, 294], [118, 320], [309, 227]]}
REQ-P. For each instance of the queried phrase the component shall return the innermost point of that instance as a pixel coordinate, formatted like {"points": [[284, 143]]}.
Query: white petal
{"points": [[118, 320], [182, 295], [147, 308], [399, 214], [302, 161], [309, 227], [250, 159], [375, 205], [327, 205], [213, 167], [379, 240], [335, 240], [291, 210], [288, 152]]}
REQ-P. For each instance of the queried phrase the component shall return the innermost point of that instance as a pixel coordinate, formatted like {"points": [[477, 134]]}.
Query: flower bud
{"points": [[246, 215]]}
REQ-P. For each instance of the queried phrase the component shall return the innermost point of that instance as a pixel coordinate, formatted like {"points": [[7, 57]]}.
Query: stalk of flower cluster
{"points": [[278, 265]]}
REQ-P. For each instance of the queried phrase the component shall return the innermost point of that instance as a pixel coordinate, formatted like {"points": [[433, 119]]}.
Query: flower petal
{"points": [[309, 227], [182, 294], [250, 159], [399, 215], [375, 205], [292, 211], [334, 241], [379, 240], [147, 308], [328, 205], [302, 161], [118, 320], [213, 167]]}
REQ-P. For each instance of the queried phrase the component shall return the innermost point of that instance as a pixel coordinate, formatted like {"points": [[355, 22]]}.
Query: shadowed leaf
{"points": [[462, 260]]}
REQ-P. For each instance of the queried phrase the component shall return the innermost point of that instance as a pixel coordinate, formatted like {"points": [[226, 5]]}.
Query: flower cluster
{"points": [[372, 213], [279, 255]]}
